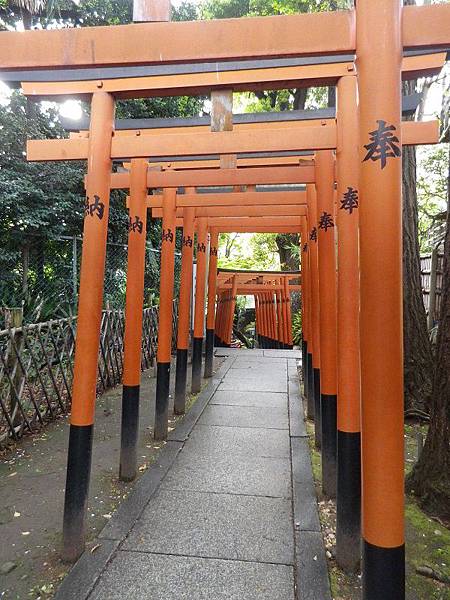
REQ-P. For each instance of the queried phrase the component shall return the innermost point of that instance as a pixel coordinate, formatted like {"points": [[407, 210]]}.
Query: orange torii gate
{"points": [[170, 222], [267, 285], [378, 33]]}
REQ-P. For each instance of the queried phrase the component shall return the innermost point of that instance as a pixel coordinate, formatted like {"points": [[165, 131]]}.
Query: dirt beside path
{"points": [[32, 479]]}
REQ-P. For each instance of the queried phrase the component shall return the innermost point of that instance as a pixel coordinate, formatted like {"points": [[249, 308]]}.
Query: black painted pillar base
{"points": [[162, 401], [79, 458], [348, 505], [217, 341], [129, 432], [310, 397], [209, 353], [329, 445], [317, 409], [197, 349], [179, 403], [383, 572]]}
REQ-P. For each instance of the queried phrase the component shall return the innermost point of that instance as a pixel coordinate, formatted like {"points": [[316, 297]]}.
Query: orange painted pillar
{"points": [[311, 198], [270, 318], [184, 310], [217, 319], [199, 316], [348, 525], [88, 326], [307, 347], [328, 317], [268, 333], [379, 58], [233, 299], [210, 315], [279, 305], [262, 302], [167, 277], [134, 305], [289, 341], [258, 333], [285, 314]]}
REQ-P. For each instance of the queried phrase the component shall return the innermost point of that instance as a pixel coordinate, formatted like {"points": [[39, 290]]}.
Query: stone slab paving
{"points": [[229, 510]]}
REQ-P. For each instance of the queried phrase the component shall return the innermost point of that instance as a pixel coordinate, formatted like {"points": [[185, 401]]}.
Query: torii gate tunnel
{"points": [[350, 161]]}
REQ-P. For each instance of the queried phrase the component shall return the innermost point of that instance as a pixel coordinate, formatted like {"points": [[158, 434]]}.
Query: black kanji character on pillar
{"points": [[167, 236], [187, 241], [326, 221], [201, 247], [350, 200], [383, 144], [136, 225], [95, 207], [213, 251], [313, 235], [305, 247]]}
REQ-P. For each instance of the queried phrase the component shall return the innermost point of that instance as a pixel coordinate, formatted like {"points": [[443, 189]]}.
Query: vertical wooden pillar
{"points": [[279, 313], [233, 299], [379, 57], [328, 317], [289, 342], [285, 310], [199, 319], [270, 315], [311, 198], [167, 276], [210, 315], [184, 310], [218, 341], [263, 320], [257, 321], [134, 303], [348, 525], [306, 318], [304, 309], [89, 322]]}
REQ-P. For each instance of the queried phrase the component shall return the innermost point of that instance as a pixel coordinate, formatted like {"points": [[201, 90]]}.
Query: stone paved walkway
{"points": [[229, 510]]}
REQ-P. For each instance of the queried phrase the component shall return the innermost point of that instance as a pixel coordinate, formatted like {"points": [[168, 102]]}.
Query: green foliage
{"points": [[432, 194], [244, 251], [226, 9], [265, 251], [297, 331], [35, 196]]}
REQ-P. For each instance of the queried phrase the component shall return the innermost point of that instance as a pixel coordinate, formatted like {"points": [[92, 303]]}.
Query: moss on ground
{"points": [[427, 540]]}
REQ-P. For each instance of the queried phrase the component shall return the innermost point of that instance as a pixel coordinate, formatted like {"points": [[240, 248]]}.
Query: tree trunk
{"points": [[417, 346], [430, 479]]}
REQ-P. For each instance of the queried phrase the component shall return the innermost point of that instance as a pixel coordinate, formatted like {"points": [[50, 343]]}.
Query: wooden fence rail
{"points": [[36, 368]]}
